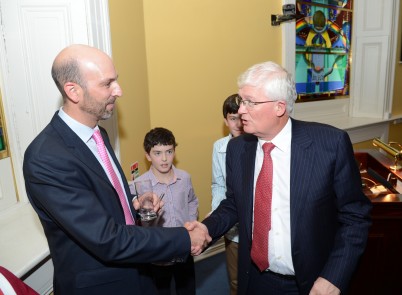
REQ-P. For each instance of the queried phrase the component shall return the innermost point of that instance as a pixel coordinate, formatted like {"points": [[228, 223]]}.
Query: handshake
{"points": [[198, 235], [198, 231]]}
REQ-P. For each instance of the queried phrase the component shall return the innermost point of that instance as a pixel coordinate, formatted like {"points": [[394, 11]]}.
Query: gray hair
{"points": [[275, 81], [67, 71]]}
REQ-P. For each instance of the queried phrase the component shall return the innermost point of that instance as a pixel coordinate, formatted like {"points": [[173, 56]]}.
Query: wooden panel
{"points": [[373, 17], [379, 270], [370, 65]]}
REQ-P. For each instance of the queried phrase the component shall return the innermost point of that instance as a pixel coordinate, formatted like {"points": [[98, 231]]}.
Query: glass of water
{"points": [[144, 192]]}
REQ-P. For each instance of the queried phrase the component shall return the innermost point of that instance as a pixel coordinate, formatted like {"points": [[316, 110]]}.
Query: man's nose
{"points": [[117, 91], [242, 109]]}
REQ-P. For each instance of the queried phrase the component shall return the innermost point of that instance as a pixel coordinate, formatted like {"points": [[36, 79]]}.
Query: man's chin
{"points": [[107, 115], [248, 130]]}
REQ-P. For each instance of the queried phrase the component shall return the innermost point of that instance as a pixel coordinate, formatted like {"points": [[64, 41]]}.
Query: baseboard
{"points": [[41, 277], [216, 248]]}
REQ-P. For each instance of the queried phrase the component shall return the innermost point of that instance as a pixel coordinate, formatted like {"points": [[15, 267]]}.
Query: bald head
{"points": [[87, 80], [71, 63]]}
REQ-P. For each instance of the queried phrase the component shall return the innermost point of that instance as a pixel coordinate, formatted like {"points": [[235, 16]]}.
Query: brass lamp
{"points": [[390, 151]]}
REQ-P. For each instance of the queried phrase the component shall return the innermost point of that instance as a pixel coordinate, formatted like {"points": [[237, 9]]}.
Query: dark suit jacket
{"points": [[329, 212], [93, 251]]}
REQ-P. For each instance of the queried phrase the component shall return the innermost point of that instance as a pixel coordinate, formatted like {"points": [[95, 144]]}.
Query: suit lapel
{"points": [[81, 151], [78, 148], [248, 162], [301, 167], [111, 152]]}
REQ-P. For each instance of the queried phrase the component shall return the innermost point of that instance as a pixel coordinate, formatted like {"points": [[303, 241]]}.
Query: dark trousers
{"points": [[270, 283], [183, 275]]}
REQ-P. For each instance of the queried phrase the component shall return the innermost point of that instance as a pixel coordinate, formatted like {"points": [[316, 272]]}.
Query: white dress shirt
{"points": [[279, 246]]}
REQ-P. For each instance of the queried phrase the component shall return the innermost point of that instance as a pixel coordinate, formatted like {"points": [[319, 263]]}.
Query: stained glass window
{"points": [[323, 53]]}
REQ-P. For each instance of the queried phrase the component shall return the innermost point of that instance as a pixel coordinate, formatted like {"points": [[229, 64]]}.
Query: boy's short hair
{"points": [[230, 106], [158, 136]]}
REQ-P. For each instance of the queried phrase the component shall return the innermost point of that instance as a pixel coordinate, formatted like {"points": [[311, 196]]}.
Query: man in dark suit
{"points": [[85, 208], [319, 216]]}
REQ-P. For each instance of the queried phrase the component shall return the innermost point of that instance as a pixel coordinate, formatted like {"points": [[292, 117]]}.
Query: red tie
{"points": [[262, 210], [115, 180]]}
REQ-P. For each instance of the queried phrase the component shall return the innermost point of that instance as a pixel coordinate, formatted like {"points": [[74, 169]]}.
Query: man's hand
{"points": [[324, 287], [198, 235], [156, 201]]}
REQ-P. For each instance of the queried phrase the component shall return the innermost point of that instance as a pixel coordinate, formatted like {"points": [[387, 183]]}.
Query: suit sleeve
{"points": [[354, 220], [77, 207]]}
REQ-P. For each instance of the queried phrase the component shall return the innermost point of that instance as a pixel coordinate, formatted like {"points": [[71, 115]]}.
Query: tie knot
{"points": [[268, 147], [97, 137]]}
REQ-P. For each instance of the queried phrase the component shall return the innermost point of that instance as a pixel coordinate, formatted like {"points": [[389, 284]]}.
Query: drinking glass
{"points": [[145, 198]]}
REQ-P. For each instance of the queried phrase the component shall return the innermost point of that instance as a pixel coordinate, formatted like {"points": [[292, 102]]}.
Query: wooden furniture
{"points": [[380, 268]]}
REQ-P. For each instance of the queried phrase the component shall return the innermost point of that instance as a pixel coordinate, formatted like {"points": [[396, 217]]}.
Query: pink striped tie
{"points": [[115, 180]]}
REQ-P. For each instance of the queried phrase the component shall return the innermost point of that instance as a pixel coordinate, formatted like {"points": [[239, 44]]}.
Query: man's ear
{"points": [[73, 91], [280, 108]]}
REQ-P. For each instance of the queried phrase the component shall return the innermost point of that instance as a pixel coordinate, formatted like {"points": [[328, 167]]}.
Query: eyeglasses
{"points": [[248, 103]]}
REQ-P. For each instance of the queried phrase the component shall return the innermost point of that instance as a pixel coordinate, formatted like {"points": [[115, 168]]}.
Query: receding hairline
{"points": [[68, 65], [78, 53]]}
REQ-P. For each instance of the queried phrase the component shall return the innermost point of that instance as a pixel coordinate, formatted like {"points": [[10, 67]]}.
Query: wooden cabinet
{"points": [[380, 268]]}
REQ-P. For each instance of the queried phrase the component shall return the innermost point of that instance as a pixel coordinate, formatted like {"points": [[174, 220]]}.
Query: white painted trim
{"points": [[100, 37], [393, 58], [42, 279], [289, 43]]}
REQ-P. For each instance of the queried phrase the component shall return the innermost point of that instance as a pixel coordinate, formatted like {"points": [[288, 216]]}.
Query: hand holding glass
{"points": [[145, 198]]}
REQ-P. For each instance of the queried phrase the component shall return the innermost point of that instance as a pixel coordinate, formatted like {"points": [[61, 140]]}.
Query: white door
{"points": [[32, 33]]}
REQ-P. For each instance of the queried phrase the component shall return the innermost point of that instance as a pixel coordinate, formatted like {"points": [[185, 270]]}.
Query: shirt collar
{"points": [[282, 140], [222, 148], [84, 132], [155, 180]]}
